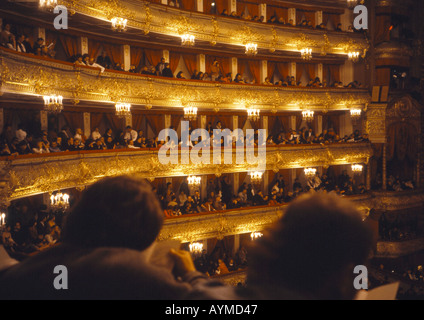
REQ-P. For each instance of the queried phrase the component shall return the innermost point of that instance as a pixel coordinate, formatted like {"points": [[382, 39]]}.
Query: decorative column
{"points": [[167, 121], [292, 15], [44, 120], [236, 182], [293, 122], [292, 69], [199, 6], [83, 44], [319, 71], [201, 63], [127, 57], [40, 33], [318, 18], [164, 2], [233, 67], [165, 54], [263, 71], [375, 127], [232, 6], [318, 120], [87, 124], [262, 11]]}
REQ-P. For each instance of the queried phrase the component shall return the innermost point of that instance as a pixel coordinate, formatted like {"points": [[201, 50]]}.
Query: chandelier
{"points": [[310, 172], [196, 247], [352, 3], [355, 114], [251, 49], [48, 4], [256, 177], [255, 235], [187, 40], [190, 113], [308, 115], [306, 53], [53, 103], [123, 110], [2, 219], [119, 24], [59, 201], [357, 168], [194, 181], [253, 114], [353, 56]]}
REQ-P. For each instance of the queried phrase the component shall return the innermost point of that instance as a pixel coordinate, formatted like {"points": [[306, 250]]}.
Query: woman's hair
{"points": [[115, 212]]}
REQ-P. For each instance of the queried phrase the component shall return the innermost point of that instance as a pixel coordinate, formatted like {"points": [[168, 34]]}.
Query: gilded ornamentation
{"points": [[31, 76], [25, 177]]}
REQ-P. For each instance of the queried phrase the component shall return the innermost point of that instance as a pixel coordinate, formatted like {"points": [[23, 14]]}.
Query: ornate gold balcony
{"points": [[29, 75], [163, 20], [34, 174]]}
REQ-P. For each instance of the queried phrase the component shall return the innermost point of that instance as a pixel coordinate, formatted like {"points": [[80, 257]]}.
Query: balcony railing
{"points": [[165, 20], [31, 75], [28, 175]]}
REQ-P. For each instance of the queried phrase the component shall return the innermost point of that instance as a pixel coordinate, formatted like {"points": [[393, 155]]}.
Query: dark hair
{"points": [[115, 212], [318, 237]]}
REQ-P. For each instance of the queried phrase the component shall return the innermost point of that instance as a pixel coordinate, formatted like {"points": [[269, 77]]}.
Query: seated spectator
{"points": [[40, 148], [167, 72], [93, 64], [79, 61], [96, 253], [104, 60], [238, 78], [180, 75], [118, 67]]}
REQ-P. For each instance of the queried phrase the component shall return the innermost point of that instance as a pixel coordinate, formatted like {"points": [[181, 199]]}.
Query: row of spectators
{"points": [[274, 19], [22, 142], [220, 195], [28, 231], [21, 43]]}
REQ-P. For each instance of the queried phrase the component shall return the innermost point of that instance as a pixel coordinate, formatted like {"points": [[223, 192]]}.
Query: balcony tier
{"points": [[28, 175], [26, 74]]}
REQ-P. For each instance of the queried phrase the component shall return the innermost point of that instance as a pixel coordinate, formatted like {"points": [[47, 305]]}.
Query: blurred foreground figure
{"points": [[309, 254], [106, 247]]}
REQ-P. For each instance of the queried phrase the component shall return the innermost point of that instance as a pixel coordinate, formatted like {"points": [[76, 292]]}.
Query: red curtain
{"points": [[220, 5], [96, 119], [188, 5], [73, 119], [299, 71], [137, 56], [334, 18], [190, 61], [174, 60], [153, 56], [94, 48], [283, 69], [271, 70], [255, 70], [115, 123], [310, 68], [137, 121], [114, 51], [155, 122], [334, 71], [70, 45], [279, 12]]}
